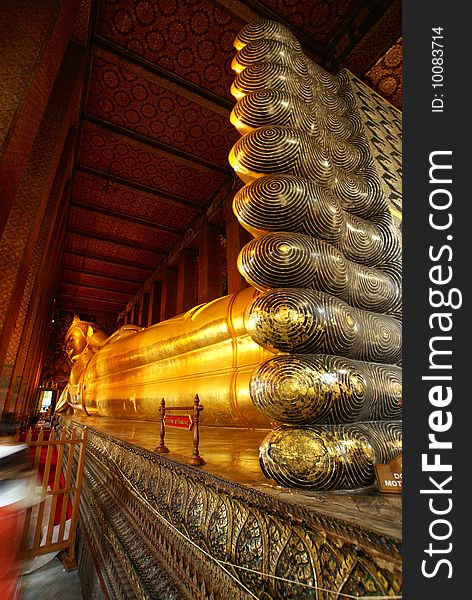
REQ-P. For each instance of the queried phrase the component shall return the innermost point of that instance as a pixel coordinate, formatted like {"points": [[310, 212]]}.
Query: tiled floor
{"points": [[51, 582]]}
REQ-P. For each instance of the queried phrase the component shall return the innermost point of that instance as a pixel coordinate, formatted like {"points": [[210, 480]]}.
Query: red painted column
{"points": [[236, 238], [169, 294], [187, 279], [210, 284], [135, 314], [155, 302], [144, 310]]}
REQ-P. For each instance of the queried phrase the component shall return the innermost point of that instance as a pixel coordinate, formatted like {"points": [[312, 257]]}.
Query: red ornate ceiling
{"points": [[319, 20], [155, 132], [114, 155], [191, 39]]}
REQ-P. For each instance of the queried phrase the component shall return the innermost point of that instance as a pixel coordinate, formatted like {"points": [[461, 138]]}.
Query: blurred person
{"points": [[16, 494]]}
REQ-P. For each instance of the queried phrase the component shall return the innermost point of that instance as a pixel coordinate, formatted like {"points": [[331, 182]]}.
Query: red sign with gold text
{"points": [[182, 421]]}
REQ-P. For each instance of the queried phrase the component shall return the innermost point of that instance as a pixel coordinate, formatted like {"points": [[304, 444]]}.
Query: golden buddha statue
{"points": [[316, 346]]}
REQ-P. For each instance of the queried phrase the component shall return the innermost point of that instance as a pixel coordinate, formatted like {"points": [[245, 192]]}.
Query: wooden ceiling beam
{"points": [[116, 241], [80, 303], [127, 183], [65, 282], [85, 309], [153, 143], [124, 217], [108, 261], [66, 295], [130, 280]]}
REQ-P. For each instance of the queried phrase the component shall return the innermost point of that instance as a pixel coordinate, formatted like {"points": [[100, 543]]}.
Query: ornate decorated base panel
{"points": [[153, 526]]}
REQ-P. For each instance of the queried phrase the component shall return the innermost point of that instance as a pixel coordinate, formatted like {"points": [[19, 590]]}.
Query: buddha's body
{"points": [[206, 351]]}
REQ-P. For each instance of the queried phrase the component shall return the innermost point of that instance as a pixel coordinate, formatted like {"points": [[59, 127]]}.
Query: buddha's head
{"points": [[76, 338], [79, 336]]}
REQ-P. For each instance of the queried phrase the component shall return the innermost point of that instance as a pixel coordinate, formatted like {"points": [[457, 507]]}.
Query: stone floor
{"points": [[51, 582]]}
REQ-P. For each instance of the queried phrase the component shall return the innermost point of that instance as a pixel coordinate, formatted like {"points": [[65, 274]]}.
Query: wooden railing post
{"points": [[68, 560], [55, 478], [188, 422]]}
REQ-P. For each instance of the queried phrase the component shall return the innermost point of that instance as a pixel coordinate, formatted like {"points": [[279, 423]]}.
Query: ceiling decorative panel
{"points": [[386, 75], [318, 19], [95, 191], [77, 289], [177, 36], [81, 25], [120, 229], [82, 264], [152, 162], [117, 155], [120, 96], [97, 247]]}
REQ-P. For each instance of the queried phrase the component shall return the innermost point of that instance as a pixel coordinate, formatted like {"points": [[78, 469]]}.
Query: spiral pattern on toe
{"points": [[265, 29], [270, 51], [358, 195], [332, 122], [329, 457], [308, 321], [273, 202], [318, 388], [328, 99], [271, 76], [323, 77], [281, 149], [262, 107], [325, 242], [283, 259], [289, 203]]}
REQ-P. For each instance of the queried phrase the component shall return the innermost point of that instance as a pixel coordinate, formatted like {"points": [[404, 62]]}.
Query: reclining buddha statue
{"points": [[311, 351]]}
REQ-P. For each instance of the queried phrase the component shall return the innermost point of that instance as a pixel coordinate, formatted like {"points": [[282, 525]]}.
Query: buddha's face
{"points": [[75, 342]]}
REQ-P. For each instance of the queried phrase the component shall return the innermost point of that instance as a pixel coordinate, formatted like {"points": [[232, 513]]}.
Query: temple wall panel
{"points": [[28, 74], [29, 228], [36, 309]]}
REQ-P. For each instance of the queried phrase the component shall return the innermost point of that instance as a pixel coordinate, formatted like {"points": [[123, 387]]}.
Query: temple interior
{"points": [[200, 282]]}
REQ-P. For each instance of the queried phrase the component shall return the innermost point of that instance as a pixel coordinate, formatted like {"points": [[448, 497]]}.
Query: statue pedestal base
{"points": [[156, 525]]}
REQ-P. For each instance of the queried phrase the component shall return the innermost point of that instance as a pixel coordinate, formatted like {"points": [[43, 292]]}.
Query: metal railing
{"points": [[189, 422]]}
